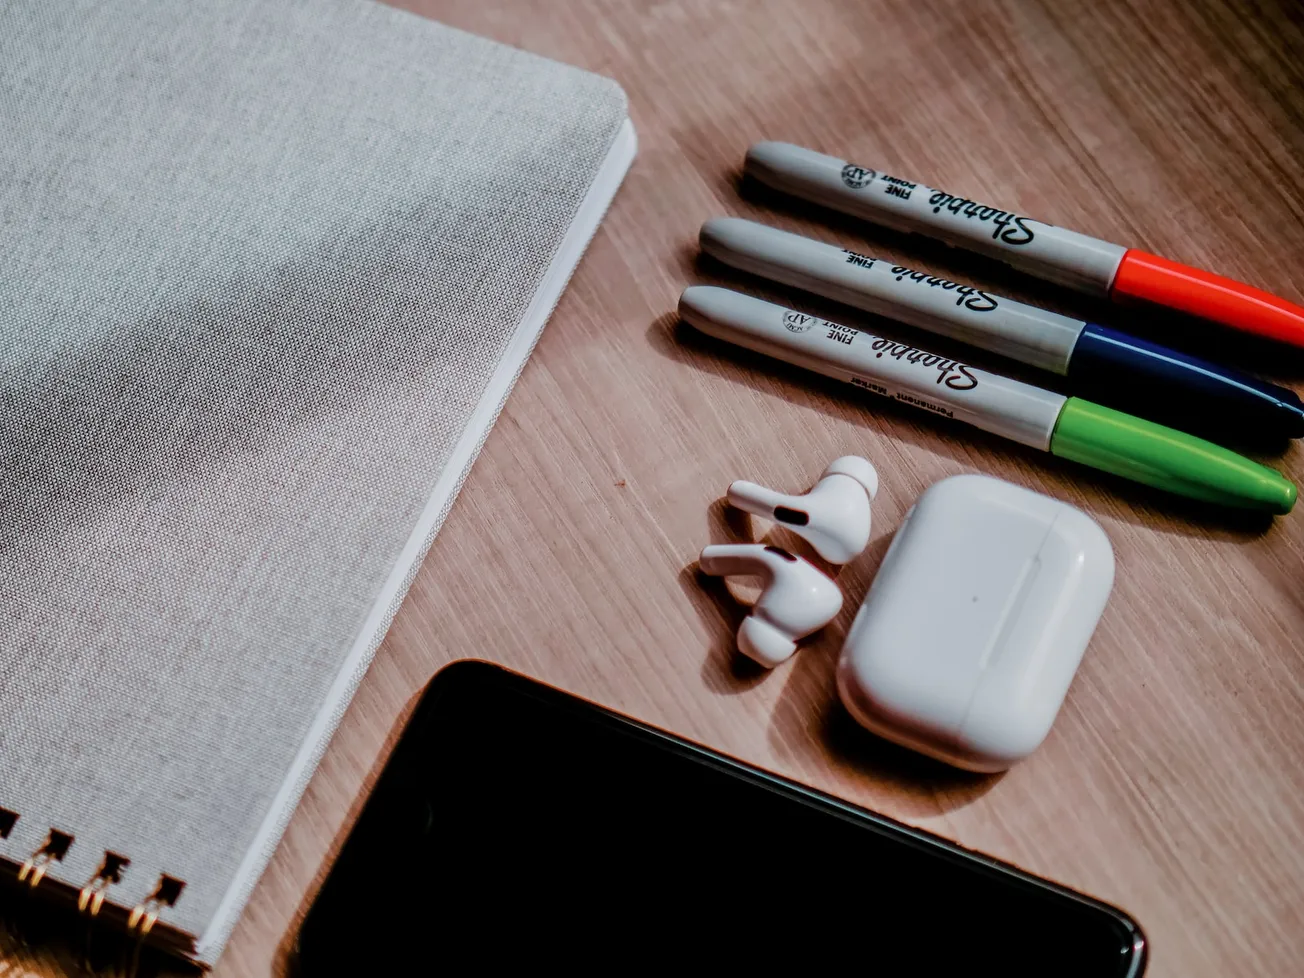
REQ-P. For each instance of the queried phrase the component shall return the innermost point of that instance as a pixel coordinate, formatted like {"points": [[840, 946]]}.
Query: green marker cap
{"points": [[1167, 459]]}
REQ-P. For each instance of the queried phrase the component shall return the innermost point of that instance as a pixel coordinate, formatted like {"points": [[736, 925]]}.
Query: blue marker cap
{"points": [[1161, 382]]}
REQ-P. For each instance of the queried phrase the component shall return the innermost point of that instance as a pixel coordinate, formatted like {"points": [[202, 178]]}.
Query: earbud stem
{"points": [[730, 560], [757, 500]]}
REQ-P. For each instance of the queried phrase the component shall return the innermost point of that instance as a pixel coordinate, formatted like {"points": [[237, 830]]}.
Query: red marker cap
{"points": [[1214, 297], [1056, 254]]}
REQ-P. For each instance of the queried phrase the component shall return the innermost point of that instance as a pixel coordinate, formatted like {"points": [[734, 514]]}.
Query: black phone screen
{"points": [[515, 825]]}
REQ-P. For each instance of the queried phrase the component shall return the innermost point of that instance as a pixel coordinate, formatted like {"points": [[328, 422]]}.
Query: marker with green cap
{"points": [[1066, 426]]}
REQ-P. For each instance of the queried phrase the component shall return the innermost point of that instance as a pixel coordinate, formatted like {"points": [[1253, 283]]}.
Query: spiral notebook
{"points": [[268, 271]]}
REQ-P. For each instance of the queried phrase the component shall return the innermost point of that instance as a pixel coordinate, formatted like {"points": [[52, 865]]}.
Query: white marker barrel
{"points": [[1012, 329], [935, 383], [1059, 255]]}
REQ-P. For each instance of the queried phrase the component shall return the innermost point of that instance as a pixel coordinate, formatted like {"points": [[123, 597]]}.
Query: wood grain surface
{"points": [[1172, 783]]}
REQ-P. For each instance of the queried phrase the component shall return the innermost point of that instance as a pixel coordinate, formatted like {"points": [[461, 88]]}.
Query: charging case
{"points": [[969, 636]]}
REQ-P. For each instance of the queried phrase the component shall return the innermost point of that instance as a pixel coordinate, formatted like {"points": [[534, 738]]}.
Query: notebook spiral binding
{"points": [[133, 931]]}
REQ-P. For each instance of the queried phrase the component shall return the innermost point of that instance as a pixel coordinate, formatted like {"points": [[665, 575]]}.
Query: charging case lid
{"points": [[973, 628]]}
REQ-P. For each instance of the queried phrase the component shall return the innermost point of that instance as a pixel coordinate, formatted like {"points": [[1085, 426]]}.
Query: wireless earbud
{"points": [[797, 598], [834, 517]]}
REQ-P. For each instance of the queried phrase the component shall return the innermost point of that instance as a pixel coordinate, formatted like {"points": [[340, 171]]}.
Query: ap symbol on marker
{"points": [[857, 177], [797, 322]]}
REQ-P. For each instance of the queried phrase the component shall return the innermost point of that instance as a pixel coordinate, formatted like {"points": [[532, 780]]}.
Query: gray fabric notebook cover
{"points": [[261, 266]]}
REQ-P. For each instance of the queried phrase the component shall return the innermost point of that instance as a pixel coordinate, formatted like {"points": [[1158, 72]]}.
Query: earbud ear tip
{"points": [[856, 468], [763, 643]]}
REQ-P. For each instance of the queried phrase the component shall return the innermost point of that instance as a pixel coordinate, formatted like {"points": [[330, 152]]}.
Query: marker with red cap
{"points": [[1049, 252]]}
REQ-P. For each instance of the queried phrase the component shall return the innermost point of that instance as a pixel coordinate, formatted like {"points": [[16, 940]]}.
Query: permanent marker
{"points": [[1163, 381], [1049, 252], [1066, 426]]}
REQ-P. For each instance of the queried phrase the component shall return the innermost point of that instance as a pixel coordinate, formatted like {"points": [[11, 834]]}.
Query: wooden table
{"points": [[1173, 781]]}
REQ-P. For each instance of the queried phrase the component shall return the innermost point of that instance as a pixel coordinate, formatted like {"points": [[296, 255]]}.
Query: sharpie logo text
{"points": [[1007, 228], [952, 373], [973, 299]]}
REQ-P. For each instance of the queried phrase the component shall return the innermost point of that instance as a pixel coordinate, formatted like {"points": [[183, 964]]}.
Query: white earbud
{"points": [[834, 517], [797, 598]]}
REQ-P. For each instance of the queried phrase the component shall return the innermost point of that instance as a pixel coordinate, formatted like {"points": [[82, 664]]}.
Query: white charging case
{"points": [[970, 634]]}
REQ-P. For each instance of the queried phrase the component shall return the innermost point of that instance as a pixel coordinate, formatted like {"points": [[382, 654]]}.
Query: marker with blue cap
{"points": [[1170, 381]]}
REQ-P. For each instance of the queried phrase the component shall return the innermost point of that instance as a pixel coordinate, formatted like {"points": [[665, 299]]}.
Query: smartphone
{"points": [[517, 826]]}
